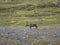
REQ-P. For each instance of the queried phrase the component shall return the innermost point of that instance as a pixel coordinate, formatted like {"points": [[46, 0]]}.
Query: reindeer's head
{"points": [[27, 24]]}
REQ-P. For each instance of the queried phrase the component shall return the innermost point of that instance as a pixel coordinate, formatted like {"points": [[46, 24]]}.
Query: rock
{"points": [[13, 21]]}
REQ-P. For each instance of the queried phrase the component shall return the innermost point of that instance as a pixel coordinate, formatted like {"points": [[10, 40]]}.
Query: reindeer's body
{"points": [[32, 25]]}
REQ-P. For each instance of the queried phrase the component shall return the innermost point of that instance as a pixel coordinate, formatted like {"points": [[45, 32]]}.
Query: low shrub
{"points": [[41, 5], [29, 15]]}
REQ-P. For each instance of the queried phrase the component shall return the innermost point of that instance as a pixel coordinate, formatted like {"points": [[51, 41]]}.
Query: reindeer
{"points": [[32, 25]]}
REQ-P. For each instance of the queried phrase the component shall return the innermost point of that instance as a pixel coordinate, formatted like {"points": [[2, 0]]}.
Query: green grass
{"points": [[7, 21], [32, 11]]}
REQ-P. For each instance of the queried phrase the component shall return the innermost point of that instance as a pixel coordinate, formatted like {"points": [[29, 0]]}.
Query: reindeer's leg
{"points": [[30, 27], [36, 27]]}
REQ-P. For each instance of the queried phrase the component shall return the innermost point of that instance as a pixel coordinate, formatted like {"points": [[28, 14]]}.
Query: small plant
{"points": [[29, 15], [51, 5], [41, 5]]}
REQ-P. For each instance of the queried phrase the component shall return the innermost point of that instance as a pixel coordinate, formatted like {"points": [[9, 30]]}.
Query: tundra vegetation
{"points": [[18, 12]]}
